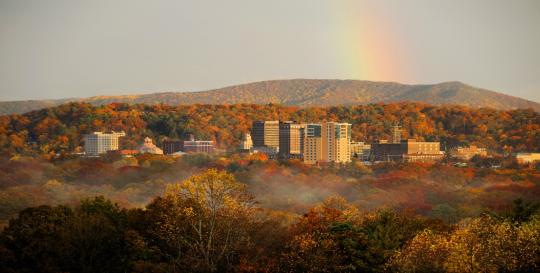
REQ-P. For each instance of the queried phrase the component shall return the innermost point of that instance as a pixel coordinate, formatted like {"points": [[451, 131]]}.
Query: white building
{"points": [[149, 147], [98, 143], [247, 143]]}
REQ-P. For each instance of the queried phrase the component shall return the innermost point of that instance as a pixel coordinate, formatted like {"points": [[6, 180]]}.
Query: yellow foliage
{"points": [[482, 244]]}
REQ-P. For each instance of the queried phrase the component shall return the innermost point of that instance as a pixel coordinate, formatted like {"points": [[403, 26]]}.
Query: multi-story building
{"points": [[265, 134], [314, 143], [291, 139], [188, 146], [421, 151], [408, 150], [336, 142], [98, 143], [313, 150], [466, 153], [528, 158], [247, 143], [360, 150], [385, 151], [172, 146], [198, 146], [327, 142]]}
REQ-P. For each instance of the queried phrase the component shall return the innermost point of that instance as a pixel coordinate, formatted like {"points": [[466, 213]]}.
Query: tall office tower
{"points": [[291, 139], [313, 144], [265, 134], [336, 142], [98, 143]]}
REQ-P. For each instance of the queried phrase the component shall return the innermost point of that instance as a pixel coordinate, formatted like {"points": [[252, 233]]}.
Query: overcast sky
{"points": [[68, 48]]}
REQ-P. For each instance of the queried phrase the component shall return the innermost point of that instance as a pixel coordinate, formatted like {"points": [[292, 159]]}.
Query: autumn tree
{"points": [[327, 239], [483, 244], [93, 237], [33, 239], [204, 220]]}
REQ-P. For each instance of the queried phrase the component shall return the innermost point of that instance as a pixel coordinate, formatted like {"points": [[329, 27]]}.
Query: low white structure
{"points": [[466, 153], [149, 147], [247, 143]]}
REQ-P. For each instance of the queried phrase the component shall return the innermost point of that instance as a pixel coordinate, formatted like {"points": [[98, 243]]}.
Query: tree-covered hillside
{"points": [[307, 93], [60, 129]]}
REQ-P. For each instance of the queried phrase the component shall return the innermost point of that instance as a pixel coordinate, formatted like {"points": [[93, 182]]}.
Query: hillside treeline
{"points": [[60, 129], [210, 223]]}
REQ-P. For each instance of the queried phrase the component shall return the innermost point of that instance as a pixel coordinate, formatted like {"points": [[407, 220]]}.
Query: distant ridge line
{"points": [[305, 93]]}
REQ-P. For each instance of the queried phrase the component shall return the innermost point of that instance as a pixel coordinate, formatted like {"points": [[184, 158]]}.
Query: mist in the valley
{"points": [[436, 191]]}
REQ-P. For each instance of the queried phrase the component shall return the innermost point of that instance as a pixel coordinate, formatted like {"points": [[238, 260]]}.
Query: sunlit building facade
{"points": [[336, 142], [312, 153], [98, 143], [408, 150], [265, 134]]}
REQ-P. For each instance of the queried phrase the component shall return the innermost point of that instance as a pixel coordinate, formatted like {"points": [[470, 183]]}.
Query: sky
{"points": [[65, 48]]}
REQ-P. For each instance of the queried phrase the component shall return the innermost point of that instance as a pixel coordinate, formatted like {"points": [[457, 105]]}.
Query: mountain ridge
{"points": [[305, 93]]}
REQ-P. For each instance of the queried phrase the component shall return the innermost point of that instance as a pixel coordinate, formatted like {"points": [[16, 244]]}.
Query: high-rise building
{"points": [[329, 142], [98, 143], [336, 142], [291, 139], [265, 134], [313, 142]]}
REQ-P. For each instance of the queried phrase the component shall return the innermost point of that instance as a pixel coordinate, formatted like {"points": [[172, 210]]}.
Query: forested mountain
{"points": [[303, 92], [61, 128]]}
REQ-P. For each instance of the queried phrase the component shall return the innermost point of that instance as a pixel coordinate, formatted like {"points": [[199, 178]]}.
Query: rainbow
{"points": [[368, 48]]}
